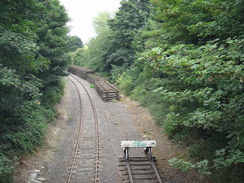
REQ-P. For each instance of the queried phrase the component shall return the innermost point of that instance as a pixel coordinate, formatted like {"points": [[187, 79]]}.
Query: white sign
{"points": [[130, 143]]}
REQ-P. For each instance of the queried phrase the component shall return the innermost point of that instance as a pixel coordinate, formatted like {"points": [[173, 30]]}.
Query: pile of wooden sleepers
{"points": [[80, 71], [106, 90]]}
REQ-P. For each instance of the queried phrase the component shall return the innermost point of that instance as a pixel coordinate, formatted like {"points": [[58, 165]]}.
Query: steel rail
{"points": [[127, 158], [150, 159], [79, 134], [96, 131], [156, 172], [129, 172]]}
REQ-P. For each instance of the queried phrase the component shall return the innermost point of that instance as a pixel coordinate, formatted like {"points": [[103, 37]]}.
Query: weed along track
{"points": [[85, 161]]}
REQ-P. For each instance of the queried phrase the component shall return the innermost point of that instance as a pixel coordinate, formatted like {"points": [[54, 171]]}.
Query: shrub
{"points": [[125, 83], [6, 169]]}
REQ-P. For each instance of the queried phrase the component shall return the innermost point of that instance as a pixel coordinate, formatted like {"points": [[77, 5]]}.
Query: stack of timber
{"points": [[93, 78], [80, 71], [105, 90]]}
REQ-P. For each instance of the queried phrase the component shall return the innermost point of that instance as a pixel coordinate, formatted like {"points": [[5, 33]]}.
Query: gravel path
{"points": [[124, 120]]}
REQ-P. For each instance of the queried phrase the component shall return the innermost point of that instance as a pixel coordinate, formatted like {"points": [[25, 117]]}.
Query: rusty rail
{"points": [[97, 135]]}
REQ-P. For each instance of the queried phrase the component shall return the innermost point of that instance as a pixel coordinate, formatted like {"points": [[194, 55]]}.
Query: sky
{"points": [[82, 13]]}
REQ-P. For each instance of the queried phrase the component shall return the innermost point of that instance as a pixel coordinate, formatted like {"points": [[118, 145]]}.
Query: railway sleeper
{"points": [[106, 95], [113, 97], [132, 159], [142, 181], [136, 164], [139, 172], [144, 170], [148, 167], [143, 176], [105, 92]]}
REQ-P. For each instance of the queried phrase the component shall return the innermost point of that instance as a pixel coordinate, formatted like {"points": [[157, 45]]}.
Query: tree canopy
{"points": [[183, 59], [33, 44]]}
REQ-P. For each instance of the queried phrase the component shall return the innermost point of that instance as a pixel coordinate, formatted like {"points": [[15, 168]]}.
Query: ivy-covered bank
{"points": [[183, 59], [33, 56]]}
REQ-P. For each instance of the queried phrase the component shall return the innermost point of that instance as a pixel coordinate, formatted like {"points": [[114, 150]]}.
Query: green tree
{"points": [[191, 78], [74, 43], [81, 57], [183, 59], [99, 45], [92, 55], [132, 15], [33, 38], [53, 44], [199, 21], [196, 77]]}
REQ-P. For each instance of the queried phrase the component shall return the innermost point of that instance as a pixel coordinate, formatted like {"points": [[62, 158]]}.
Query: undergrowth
{"points": [[203, 145], [27, 132]]}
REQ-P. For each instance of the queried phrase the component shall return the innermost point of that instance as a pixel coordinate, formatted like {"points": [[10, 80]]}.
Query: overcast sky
{"points": [[82, 13]]}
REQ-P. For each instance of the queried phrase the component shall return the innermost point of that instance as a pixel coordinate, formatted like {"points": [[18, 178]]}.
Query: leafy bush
{"points": [[185, 63], [22, 137], [26, 134], [201, 166], [6, 169], [116, 71], [125, 83], [31, 63], [53, 94], [209, 95], [199, 90]]}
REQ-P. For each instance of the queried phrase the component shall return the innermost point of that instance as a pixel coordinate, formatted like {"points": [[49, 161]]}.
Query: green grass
{"points": [[92, 86]]}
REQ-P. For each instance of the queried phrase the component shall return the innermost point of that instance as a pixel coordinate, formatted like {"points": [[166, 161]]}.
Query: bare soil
{"points": [[43, 157]]}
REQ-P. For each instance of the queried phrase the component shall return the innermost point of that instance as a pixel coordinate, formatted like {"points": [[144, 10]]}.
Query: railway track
{"points": [[85, 161], [139, 170], [86, 156]]}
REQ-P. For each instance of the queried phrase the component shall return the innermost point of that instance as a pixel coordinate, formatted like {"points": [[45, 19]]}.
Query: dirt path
{"points": [[124, 120]]}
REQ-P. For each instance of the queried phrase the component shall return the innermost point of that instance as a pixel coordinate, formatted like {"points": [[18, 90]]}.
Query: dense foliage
{"points": [[33, 38], [183, 59]]}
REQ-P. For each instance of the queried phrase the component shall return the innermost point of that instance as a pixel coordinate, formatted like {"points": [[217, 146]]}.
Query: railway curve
{"points": [[88, 149], [85, 161]]}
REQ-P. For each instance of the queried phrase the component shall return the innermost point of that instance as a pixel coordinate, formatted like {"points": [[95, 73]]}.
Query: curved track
{"points": [[85, 165], [85, 160]]}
